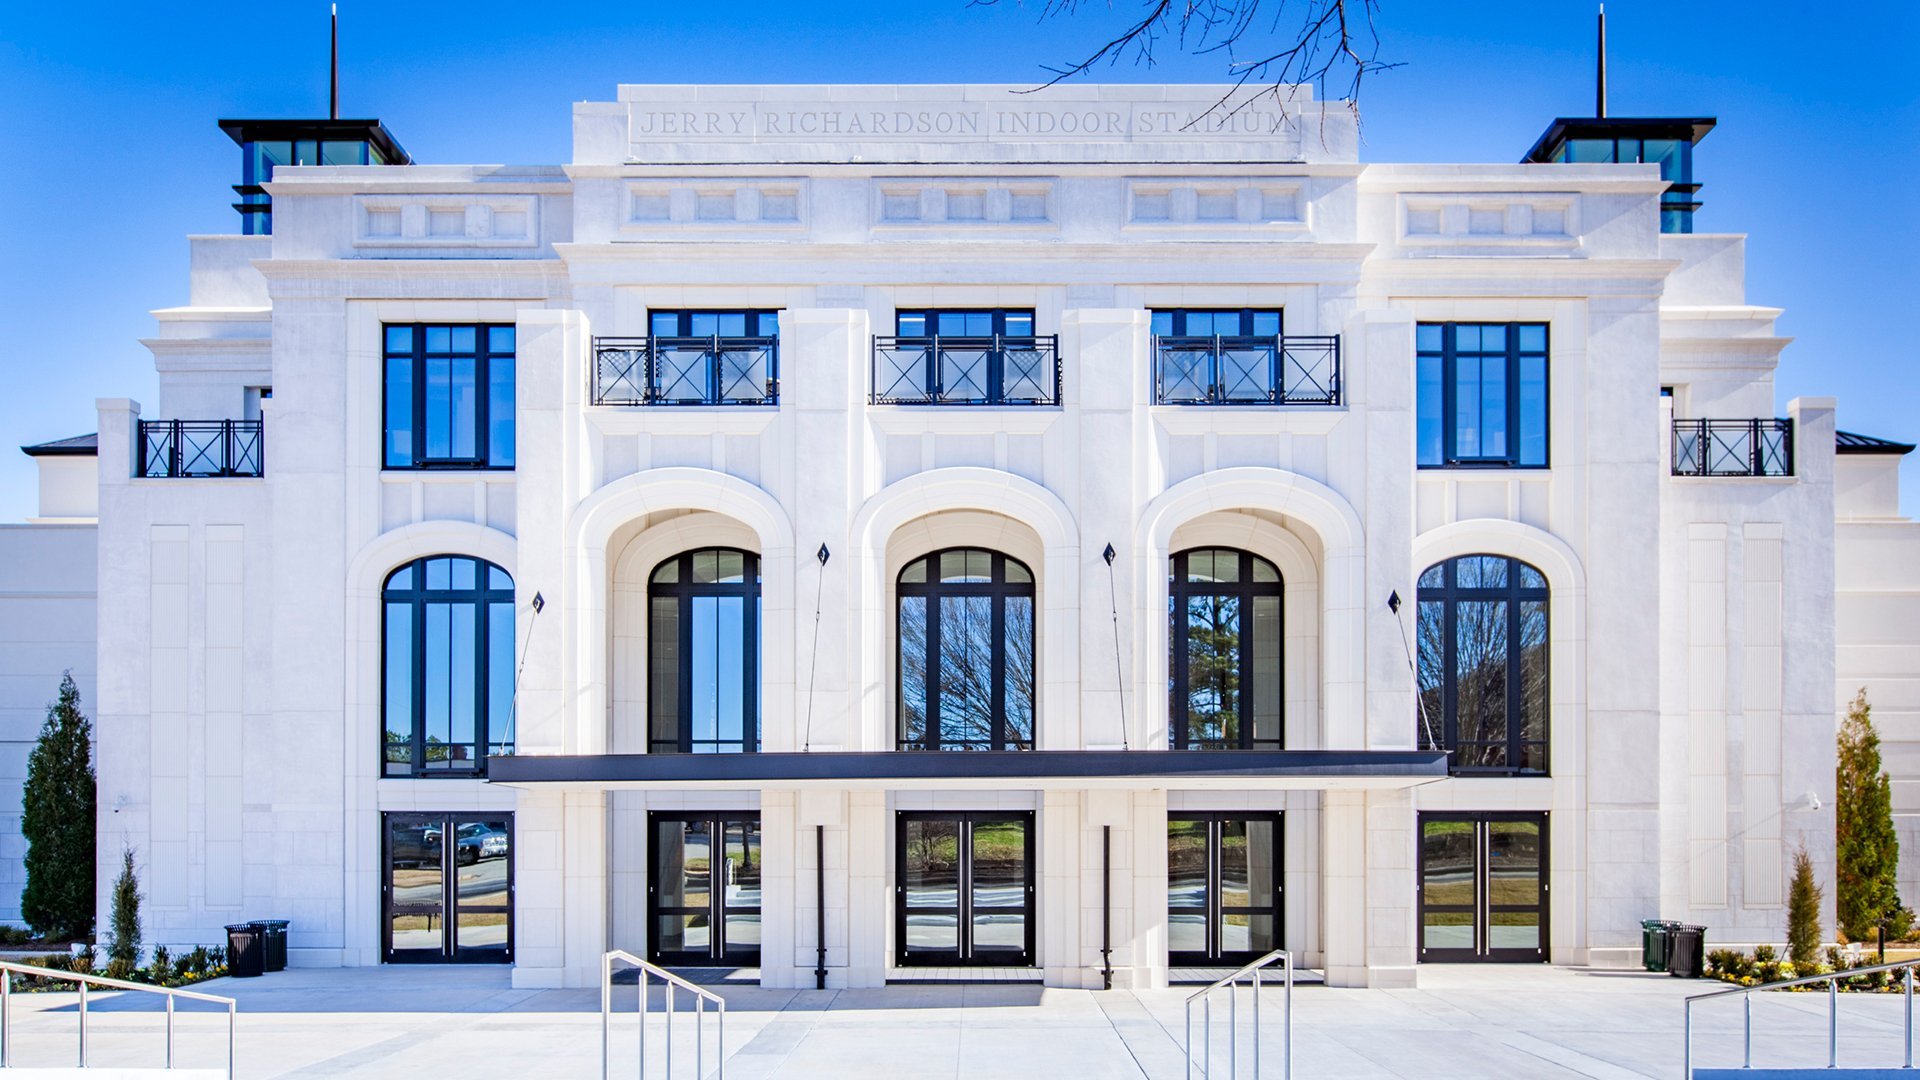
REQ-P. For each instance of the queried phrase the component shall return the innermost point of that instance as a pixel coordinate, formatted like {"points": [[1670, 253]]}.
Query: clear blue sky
{"points": [[112, 156]]}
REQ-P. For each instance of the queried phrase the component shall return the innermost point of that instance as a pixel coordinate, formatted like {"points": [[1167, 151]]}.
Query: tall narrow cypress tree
{"points": [[58, 822], [1866, 882]]}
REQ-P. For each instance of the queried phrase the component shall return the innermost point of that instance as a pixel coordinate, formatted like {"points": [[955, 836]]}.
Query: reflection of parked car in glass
{"points": [[417, 846], [479, 841]]}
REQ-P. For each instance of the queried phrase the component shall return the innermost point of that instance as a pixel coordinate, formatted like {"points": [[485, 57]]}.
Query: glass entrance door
{"points": [[1483, 887], [1223, 888], [703, 896], [448, 888], [965, 891]]}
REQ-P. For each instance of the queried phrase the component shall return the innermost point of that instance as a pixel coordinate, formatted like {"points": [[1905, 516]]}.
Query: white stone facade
{"points": [[239, 702]]}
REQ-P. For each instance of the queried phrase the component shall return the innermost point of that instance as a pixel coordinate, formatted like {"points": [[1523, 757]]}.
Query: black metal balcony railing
{"points": [[686, 371], [1290, 370], [993, 370], [202, 448], [1760, 447]]}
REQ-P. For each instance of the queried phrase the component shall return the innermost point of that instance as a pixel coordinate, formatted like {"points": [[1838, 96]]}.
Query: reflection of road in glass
{"points": [[1004, 896], [483, 883], [1000, 931], [932, 931]]}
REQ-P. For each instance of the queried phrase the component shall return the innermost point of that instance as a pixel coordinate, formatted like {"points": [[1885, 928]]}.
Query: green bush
{"points": [[57, 820], [125, 949], [1803, 914], [14, 935]]}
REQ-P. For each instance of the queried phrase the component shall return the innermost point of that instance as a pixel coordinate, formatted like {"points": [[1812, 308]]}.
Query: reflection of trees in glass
{"points": [[966, 641], [966, 669], [1482, 663], [1213, 669], [1225, 677]]}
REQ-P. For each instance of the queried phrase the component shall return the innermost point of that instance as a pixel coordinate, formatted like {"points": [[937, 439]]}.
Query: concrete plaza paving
{"points": [[1518, 1022]]}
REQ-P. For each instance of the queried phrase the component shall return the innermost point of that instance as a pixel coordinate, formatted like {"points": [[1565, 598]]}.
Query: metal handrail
{"points": [[627, 371], [1833, 980], [202, 448], [701, 996], [1761, 446], [1231, 983], [8, 968], [1284, 369], [909, 370]]}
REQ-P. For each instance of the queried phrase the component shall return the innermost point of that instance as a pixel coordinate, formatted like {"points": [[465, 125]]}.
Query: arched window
{"points": [[447, 660], [703, 653], [1483, 664], [966, 652], [1225, 667]]}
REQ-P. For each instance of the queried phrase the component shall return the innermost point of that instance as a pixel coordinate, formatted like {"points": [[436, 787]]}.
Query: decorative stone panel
{"points": [[1490, 220], [917, 202], [446, 221], [711, 203], [1190, 203]]}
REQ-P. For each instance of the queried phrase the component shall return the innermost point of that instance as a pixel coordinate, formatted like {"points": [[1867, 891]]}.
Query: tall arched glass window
{"points": [[966, 652], [447, 659], [1225, 667], [1483, 664], [703, 653]]}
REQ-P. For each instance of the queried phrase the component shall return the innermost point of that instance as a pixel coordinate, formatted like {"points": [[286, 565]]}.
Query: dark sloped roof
{"points": [[77, 446], [1846, 442]]}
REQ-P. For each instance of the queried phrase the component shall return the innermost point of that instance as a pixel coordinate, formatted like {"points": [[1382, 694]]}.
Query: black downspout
{"points": [[820, 905], [1106, 906]]}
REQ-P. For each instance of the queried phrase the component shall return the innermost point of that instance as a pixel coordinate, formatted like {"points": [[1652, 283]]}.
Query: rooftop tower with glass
{"points": [[1666, 141], [266, 145]]}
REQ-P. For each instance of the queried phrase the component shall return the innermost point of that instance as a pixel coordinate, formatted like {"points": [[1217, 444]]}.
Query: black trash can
{"points": [[274, 933], [246, 950], [1656, 943], [1687, 958]]}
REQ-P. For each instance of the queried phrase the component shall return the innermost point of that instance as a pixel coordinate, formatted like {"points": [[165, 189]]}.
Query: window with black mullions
{"points": [[1483, 664], [1226, 680], [1481, 392], [703, 653], [448, 666], [966, 639], [449, 393], [1224, 322]]}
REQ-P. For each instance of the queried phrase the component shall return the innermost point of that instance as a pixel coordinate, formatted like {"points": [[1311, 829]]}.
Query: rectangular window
{"points": [[449, 393], [1481, 395]]}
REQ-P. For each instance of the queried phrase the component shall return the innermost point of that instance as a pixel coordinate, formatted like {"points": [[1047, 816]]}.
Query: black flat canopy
{"points": [[1304, 769]]}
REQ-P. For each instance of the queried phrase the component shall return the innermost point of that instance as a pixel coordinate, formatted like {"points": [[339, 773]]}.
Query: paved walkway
{"points": [[1479, 1023]]}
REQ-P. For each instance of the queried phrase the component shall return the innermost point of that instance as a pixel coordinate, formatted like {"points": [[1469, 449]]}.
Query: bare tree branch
{"points": [[1320, 43]]}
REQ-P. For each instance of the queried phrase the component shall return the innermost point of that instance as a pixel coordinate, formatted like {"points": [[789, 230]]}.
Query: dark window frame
{"points": [[684, 319], [1450, 595], [1448, 356], [484, 356], [450, 951], [1179, 590], [685, 590], [719, 951], [417, 596], [1178, 320], [932, 319], [963, 908], [1483, 909], [1215, 908], [999, 590]]}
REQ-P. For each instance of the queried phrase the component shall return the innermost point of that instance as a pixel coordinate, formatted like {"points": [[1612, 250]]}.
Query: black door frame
{"points": [[449, 907], [962, 909], [719, 952], [1215, 909], [1483, 909]]}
